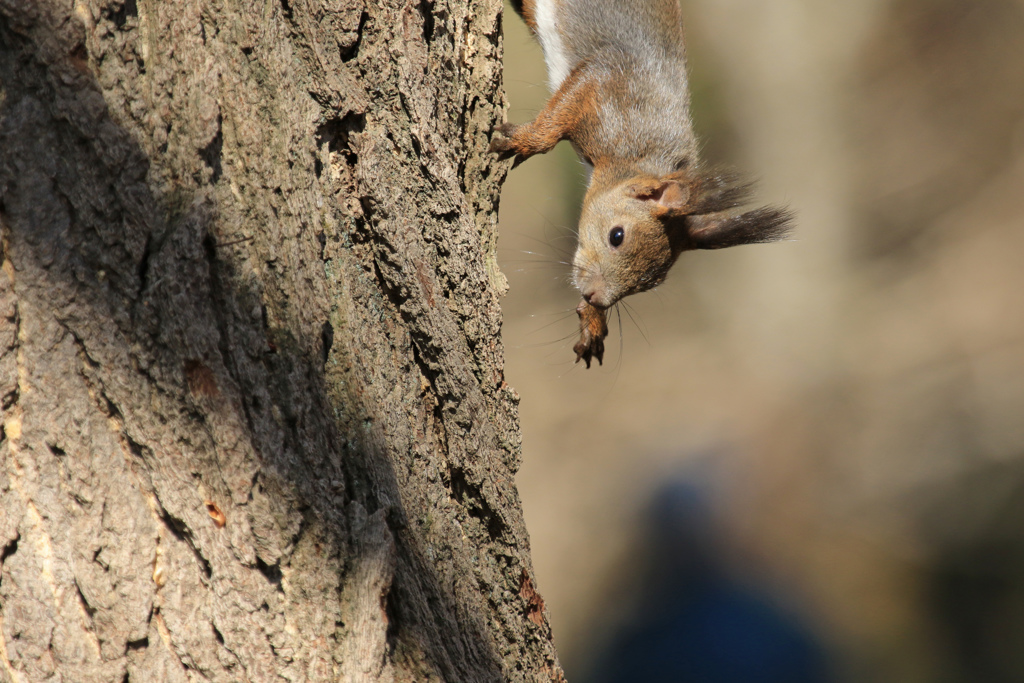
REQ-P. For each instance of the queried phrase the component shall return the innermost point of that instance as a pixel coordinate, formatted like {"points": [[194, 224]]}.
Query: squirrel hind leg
{"points": [[558, 119], [524, 140], [504, 143]]}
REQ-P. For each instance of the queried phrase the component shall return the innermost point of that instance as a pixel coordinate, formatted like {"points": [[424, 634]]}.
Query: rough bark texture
{"points": [[255, 425]]}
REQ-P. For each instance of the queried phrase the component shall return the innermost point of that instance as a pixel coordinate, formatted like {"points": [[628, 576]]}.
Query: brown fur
{"points": [[526, 9], [593, 330], [561, 117], [624, 105]]}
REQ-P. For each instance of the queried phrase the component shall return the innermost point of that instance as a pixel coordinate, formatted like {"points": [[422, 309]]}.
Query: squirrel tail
{"points": [[767, 224]]}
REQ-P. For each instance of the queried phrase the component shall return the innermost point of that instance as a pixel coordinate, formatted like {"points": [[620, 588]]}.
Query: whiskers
{"points": [[549, 252], [553, 327], [536, 262], [636, 319], [559, 330], [561, 317], [583, 265]]}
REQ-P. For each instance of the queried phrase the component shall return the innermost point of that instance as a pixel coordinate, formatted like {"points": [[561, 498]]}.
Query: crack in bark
{"points": [[211, 154], [427, 10], [219, 637], [89, 610], [271, 572], [165, 638], [424, 612], [350, 52], [129, 8], [136, 645], [9, 549], [10, 398], [183, 533], [471, 497]]}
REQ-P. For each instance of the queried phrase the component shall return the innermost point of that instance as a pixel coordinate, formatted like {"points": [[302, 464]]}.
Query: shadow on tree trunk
{"points": [[253, 427]]}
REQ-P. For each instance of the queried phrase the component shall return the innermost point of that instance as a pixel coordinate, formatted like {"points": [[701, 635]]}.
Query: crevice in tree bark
{"points": [[351, 51], [281, 378], [140, 644], [180, 530], [470, 496], [427, 10], [89, 610], [211, 153], [271, 572], [143, 270], [326, 340], [120, 16], [11, 397], [9, 549]]}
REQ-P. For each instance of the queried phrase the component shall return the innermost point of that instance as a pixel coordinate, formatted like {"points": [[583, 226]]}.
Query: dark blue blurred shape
{"points": [[694, 623]]}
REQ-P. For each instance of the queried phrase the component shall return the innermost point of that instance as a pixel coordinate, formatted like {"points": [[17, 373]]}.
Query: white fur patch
{"points": [[546, 16]]}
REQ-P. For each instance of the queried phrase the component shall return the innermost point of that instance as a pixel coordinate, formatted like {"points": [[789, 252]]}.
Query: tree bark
{"points": [[255, 425]]}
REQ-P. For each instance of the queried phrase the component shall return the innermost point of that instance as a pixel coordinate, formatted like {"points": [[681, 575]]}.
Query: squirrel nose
{"points": [[587, 296]]}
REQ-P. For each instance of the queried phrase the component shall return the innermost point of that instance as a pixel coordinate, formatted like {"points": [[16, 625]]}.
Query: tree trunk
{"points": [[255, 425]]}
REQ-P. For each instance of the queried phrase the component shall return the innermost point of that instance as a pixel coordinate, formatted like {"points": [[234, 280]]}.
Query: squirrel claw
{"points": [[593, 330], [586, 353], [501, 142]]}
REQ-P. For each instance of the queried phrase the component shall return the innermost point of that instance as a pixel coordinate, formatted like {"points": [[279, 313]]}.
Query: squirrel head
{"points": [[632, 231]]}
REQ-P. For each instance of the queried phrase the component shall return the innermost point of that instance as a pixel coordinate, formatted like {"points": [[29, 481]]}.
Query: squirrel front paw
{"points": [[593, 330], [502, 140]]}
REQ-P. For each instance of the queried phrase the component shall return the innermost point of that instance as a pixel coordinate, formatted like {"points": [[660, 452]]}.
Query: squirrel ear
{"points": [[667, 196]]}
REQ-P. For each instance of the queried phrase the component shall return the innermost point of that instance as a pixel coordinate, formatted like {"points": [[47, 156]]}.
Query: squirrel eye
{"points": [[616, 236]]}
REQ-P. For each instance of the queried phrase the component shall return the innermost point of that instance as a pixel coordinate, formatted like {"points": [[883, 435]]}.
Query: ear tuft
{"points": [[767, 224], [720, 191], [643, 189]]}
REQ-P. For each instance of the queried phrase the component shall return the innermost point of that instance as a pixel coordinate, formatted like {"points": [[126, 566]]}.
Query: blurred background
{"points": [[801, 461]]}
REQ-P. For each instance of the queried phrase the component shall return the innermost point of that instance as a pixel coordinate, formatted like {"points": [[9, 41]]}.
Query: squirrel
{"points": [[617, 70]]}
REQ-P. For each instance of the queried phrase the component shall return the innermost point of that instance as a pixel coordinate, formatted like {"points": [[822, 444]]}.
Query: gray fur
{"points": [[637, 45]]}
